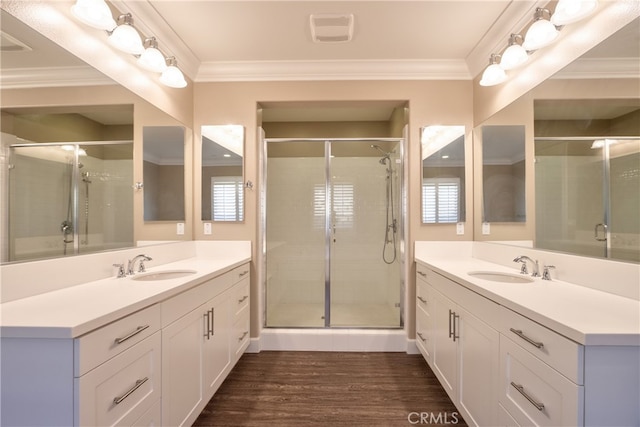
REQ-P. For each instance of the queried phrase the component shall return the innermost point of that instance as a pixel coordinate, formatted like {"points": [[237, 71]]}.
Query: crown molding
{"points": [[24, 78], [234, 71], [150, 23]]}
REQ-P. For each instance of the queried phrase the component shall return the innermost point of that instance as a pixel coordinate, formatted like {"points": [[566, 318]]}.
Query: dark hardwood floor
{"points": [[330, 389]]}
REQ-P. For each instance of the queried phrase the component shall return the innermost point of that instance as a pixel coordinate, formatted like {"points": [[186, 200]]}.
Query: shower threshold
{"points": [[342, 316]]}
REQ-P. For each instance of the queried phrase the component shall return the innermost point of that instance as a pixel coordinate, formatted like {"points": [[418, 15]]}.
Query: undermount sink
{"points": [[163, 275], [497, 276]]}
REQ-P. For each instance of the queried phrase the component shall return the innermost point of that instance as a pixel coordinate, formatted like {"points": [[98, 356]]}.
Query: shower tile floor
{"points": [[342, 315]]}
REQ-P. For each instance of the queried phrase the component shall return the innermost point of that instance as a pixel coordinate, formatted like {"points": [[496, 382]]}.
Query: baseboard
{"points": [[380, 340]]}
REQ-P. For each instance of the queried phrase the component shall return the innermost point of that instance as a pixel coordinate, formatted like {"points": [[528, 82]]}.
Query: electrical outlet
{"points": [[460, 228], [180, 228], [486, 228], [207, 228]]}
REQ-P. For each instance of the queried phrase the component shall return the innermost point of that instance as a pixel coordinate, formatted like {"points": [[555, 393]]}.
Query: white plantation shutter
{"points": [[227, 198], [440, 200], [342, 204]]}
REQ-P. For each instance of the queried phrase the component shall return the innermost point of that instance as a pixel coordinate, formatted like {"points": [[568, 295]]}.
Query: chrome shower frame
{"points": [[402, 229]]}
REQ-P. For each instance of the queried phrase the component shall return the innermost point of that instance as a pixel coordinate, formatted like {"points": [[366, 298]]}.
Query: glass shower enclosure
{"points": [[588, 196], [62, 199], [333, 233]]}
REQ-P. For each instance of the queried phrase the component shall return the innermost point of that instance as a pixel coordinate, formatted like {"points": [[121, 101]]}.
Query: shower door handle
{"points": [[597, 234]]}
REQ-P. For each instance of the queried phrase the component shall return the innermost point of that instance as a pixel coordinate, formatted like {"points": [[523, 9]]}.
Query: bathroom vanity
{"points": [[512, 351], [147, 349]]}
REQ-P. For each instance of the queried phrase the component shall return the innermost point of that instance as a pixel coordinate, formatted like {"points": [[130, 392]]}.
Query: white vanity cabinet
{"points": [[199, 348], [464, 348]]}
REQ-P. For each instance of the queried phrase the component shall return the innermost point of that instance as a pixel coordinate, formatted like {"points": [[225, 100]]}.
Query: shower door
{"points": [[333, 233], [588, 196]]}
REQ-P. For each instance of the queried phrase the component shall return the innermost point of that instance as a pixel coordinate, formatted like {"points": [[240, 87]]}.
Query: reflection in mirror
{"points": [[503, 173], [443, 174], [64, 186], [222, 173], [163, 173]]}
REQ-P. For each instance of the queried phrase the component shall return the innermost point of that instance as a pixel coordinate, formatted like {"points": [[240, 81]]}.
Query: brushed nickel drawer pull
{"points": [[539, 406], [421, 337], [243, 273], [422, 300], [422, 273], [519, 333], [243, 335], [207, 325], [138, 384], [243, 299], [131, 335]]}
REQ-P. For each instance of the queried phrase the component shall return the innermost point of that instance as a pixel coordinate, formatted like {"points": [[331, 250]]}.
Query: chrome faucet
{"points": [[534, 264], [132, 262]]}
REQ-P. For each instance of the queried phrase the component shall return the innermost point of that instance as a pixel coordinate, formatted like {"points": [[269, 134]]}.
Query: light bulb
{"points": [[94, 13], [570, 11], [152, 59], [172, 76], [541, 33], [126, 38], [493, 74]]}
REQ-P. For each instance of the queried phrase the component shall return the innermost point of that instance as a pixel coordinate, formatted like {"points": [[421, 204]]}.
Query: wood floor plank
{"points": [[282, 389]]}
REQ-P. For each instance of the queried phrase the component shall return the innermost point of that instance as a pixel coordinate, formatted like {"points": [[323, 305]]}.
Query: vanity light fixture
{"points": [[541, 33], [94, 13], [152, 59], [570, 11], [172, 76], [125, 37], [514, 55], [493, 74]]}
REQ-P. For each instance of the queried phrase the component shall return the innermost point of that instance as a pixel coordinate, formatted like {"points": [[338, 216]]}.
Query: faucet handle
{"points": [[546, 275], [121, 272], [141, 267], [523, 267]]}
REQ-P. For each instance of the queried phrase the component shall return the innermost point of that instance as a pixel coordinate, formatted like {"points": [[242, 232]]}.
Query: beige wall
{"points": [[430, 102]]}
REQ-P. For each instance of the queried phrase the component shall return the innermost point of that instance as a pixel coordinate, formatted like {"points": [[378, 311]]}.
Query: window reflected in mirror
{"points": [[163, 172], [222, 173], [443, 174], [503, 173]]}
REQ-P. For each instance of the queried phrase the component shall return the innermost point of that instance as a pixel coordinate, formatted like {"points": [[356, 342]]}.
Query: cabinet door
{"points": [[182, 368], [444, 347], [478, 370], [216, 343]]}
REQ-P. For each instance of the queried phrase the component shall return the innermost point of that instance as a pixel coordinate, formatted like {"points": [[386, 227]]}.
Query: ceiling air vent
{"points": [[331, 28]]}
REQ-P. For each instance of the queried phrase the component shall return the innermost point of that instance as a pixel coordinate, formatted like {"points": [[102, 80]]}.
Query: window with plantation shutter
{"points": [[440, 200], [227, 198], [342, 204]]}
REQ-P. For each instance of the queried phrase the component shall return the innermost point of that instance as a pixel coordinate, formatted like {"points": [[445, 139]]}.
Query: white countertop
{"points": [[74, 311], [587, 316]]}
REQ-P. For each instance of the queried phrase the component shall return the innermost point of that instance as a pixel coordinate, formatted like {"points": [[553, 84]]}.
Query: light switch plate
{"points": [[460, 228], [207, 228], [180, 228], [486, 228]]}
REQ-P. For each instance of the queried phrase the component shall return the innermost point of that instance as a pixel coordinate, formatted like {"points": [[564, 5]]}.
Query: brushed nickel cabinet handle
{"points": [[207, 327], [519, 333], [422, 300], [137, 385], [243, 299], [421, 337], [422, 273], [539, 406], [243, 273], [131, 334], [244, 334]]}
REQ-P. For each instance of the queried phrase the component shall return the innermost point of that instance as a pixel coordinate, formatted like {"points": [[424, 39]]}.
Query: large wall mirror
{"points": [[443, 174], [222, 173], [503, 173], [586, 142], [163, 169]]}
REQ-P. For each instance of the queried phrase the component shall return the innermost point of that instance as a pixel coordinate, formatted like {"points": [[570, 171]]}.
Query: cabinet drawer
{"points": [[123, 389], [534, 393], [153, 417], [423, 296], [240, 299], [240, 273], [96, 347], [561, 353], [240, 335]]}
